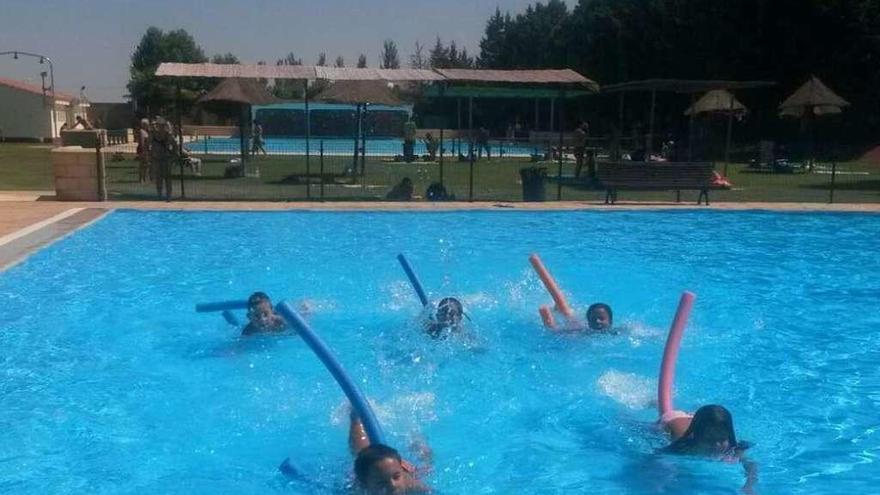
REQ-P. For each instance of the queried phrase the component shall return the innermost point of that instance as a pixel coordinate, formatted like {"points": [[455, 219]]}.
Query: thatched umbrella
{"points": [[723, 102], [239, 94], [361, 94], [810, 100]]}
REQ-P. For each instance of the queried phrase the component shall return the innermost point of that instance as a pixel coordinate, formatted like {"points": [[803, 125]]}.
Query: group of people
{"points": [[157, 149], [380, 469]]}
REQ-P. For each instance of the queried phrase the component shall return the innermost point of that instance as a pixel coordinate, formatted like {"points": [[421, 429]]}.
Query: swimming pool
{"points": [[340, 146], [112, 384]]}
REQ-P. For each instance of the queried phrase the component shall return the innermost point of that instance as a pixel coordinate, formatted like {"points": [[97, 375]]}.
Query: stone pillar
{"points": [[77, 176]]}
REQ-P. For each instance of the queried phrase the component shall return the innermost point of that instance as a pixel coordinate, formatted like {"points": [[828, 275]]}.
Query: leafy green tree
{"points": [[362, 61], [340, 62], [154, 95], [322, 59], [288, 88]]}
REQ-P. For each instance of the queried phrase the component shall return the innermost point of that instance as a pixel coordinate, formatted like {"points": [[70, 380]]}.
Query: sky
{"points": [[90, 42]]}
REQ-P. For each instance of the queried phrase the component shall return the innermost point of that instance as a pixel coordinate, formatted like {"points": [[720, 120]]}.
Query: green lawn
{"points": [[27, 167]]}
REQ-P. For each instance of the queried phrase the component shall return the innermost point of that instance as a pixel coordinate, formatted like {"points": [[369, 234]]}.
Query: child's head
{"points": [[449, 311], [260, 311], [379, 470], [599, 316], [710, 432]]}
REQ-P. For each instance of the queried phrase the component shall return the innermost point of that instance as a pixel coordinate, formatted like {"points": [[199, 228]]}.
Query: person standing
{"points": [[483, 143], [409, 140], [258, 139], [143, 150], [163, 151], [580, 147]]}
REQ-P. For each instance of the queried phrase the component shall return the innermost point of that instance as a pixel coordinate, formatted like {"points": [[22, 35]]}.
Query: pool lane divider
{"points": [[349, 388], [413, 279], [555, 292], [670, 353]]}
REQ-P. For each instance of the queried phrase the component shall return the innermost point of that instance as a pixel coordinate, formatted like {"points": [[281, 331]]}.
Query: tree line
{"points": [[610, 41]]}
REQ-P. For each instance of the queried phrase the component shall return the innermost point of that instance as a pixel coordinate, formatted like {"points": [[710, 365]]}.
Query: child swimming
{"points": [[599, 317], [262, 317], [447, 320], [379, 469]]}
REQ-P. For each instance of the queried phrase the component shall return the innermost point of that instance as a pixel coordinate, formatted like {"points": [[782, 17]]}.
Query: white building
{"points": [[26, 112]]}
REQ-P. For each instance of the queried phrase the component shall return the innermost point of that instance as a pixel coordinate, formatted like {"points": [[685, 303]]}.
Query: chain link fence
{"points": [[442, 164]]}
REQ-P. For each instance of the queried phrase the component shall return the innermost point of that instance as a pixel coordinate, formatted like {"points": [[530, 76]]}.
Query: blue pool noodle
{"points": [[220, 306], [413, 279], [357, 399]]}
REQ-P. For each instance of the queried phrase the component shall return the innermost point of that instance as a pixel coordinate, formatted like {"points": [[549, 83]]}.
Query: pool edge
{"points": [[17, 246]]}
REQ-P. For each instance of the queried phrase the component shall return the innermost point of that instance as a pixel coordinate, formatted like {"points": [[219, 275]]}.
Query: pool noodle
{"points": [[220, 306], [552, 287], [413, 279], [670, 352], [357, 399]]}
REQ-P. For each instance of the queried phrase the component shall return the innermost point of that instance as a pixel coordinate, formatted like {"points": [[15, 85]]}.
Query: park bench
{"points": [[658, 176]]}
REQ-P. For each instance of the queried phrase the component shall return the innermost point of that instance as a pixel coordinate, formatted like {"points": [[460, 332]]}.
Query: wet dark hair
{"points": [[452, 305], [371, 455], [596, 306], [257, 298], [710, 424]]}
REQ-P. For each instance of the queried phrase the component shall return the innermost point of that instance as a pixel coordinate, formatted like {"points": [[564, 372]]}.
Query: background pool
{"points": [[342, 146], [112, 384]]}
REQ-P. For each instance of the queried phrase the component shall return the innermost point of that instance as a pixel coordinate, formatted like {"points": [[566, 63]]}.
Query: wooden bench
{"points": [[657, 176]]}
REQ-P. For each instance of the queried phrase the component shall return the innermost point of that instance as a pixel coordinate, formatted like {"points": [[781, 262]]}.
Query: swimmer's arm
{"points": [[677, 426], [423, 451], [357, 435], [751, 469]]}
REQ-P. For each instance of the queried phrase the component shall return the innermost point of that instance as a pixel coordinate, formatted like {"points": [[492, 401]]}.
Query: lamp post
{"points": [[43, 59]]}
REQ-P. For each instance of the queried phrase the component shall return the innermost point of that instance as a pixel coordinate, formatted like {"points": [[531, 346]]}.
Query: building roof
{"points": [[35, 89], [537, 76], [543, 76], [683, 85]]}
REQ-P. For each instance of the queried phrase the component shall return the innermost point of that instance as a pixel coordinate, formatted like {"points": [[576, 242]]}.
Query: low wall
{"points": [[79, 174]]}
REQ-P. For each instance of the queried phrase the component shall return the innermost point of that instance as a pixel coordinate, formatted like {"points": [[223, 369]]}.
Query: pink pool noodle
{"points": [[670, 352]]}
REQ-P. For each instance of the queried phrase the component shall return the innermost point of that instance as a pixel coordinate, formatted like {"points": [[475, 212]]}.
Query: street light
{"points": [[43, 59]]}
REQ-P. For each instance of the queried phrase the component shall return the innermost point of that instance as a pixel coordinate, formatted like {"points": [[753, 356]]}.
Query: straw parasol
{"points": [[361, 94], [812, 98], [240, 94], [717, 101]]}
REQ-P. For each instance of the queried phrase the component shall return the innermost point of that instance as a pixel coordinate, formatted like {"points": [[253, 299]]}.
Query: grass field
{"points": [[28, 167]]}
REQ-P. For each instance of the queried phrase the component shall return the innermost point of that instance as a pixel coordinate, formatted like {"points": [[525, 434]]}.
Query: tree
{"points": [[442, 57], [322, 59], [418, 60], [155, 95], [340, 62], [288, 88], [389, 57], [494, 42], [226, 58], [362, 61]]}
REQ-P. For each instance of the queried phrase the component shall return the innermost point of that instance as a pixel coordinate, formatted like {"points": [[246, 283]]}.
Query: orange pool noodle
{"points": [[561, 304]]}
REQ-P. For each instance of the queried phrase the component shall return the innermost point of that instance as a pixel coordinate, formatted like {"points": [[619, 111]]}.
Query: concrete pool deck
{"points": [[30, 220]]}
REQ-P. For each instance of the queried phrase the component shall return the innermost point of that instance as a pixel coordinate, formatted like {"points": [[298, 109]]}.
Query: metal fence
{"points": [[454, 165]]}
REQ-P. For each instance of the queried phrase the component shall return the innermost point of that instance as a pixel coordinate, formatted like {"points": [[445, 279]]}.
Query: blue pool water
{"points": [[337, 146], [111, 383]]}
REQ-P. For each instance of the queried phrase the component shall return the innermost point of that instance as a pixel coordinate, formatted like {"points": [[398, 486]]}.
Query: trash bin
{"points": [[533, 183]]}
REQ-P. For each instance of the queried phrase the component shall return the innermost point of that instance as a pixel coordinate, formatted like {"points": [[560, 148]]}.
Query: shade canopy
{"points": [[812, 97], [717, 101]]}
